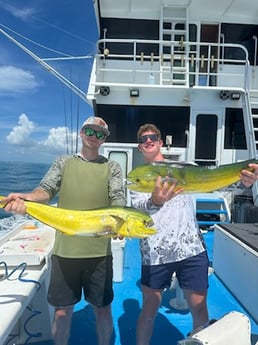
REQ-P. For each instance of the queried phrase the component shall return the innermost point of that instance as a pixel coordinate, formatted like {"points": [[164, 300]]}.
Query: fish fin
{"points": [[174, 164], [2, 204], [123, 230]]}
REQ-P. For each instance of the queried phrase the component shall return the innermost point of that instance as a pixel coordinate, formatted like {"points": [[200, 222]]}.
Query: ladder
{"points": [[254, 108], [173, 33]]}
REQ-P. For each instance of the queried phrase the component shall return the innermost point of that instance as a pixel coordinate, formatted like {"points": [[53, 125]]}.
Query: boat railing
{"points": [[157, 63], [255, 50]]}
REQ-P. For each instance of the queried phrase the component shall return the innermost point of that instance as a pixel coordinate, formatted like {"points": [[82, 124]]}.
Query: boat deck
{"points": [[247, 233], [172, 324]]}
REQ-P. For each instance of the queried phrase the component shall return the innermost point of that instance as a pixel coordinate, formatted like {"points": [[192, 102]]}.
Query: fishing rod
{"points": [[49, 68]]}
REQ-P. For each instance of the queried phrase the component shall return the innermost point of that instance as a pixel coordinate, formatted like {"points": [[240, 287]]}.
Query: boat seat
{"points": [[15, 297], [232, 328], [24, 271]]}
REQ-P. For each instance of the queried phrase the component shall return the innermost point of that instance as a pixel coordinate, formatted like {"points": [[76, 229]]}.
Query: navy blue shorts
{"points": [[69, 277], [192, 273]]}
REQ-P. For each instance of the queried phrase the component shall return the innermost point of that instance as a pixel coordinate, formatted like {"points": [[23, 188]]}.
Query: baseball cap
{"points": [[96, 123]]}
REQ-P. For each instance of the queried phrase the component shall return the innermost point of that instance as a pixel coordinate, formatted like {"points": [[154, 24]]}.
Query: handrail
{"points": [[255, 50], [222, 36], [102, 42], [133, 66]]}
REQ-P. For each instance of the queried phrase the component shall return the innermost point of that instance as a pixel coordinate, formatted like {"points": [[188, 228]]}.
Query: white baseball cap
{"points": [[96, 123]]}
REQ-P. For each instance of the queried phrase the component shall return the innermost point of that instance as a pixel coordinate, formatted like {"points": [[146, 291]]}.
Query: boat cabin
{"points": [[188, 66]]}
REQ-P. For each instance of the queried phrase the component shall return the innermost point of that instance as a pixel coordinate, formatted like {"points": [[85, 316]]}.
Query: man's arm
{"points": [[15, 201], [47, 189], [116, 185]]}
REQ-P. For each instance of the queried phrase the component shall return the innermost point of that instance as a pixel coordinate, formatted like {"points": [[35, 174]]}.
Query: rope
{"points": [[31, 335], [25, 328], [22, 266], [88, 56]]}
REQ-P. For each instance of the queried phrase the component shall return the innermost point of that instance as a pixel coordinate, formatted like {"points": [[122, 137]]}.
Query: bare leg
{"points": [[62, 325], [151, 303], [104, 324], [198, 307]]}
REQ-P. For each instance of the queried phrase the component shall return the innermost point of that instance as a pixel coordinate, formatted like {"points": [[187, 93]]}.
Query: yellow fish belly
{"points": [[110, 221]]}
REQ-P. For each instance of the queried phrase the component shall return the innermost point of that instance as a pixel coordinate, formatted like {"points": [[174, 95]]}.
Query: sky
{"points": [[39, 115]]}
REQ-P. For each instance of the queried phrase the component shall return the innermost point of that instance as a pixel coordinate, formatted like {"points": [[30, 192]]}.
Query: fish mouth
{"points": [[130, 184]]}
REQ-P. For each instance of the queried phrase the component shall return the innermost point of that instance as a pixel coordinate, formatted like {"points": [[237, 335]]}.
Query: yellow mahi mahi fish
{"points": [[123, 221], [191, 178]]}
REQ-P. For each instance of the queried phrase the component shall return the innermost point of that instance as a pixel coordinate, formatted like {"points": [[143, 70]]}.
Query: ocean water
{"points": [[19, 177]]}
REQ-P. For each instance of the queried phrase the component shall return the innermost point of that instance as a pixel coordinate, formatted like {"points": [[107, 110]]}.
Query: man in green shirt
{"points": [[83, 181]]}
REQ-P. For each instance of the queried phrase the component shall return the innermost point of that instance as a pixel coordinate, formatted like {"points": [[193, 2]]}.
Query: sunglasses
{"points": [[152, 137], [90, 132]]}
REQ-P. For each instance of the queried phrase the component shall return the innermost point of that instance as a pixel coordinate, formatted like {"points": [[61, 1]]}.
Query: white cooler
{"points": [[117, 247]]}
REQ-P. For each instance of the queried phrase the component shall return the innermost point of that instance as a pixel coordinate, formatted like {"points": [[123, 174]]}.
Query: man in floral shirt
{"points": [[177, 246]]}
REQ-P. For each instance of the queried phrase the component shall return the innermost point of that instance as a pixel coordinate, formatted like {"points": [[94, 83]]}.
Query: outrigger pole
{"points": [[50, 69]]}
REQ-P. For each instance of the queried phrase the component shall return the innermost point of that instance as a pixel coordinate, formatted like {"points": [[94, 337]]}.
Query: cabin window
{"points": [[130, 29], [234, 130], [206, 137], [240, 34], [124, 122], [121, 158], [193, 34]]}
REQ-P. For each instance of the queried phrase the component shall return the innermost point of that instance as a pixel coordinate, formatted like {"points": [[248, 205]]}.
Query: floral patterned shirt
{"points": [[178, 236]]}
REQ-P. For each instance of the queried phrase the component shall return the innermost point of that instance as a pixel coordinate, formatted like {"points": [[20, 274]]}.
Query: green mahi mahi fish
{"points": [[111, 221], [191, 178]]}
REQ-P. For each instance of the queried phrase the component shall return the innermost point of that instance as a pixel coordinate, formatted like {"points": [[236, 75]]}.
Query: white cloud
{"points": [[16, 79], [20, 135], [59, 140], [21, 13]]}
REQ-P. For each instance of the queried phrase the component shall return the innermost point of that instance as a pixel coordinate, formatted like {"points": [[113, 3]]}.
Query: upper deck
{"points": [[181, 43], [186, 66], [228, 11]]}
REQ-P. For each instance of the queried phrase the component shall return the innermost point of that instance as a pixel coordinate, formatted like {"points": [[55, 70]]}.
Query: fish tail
{"points": [[2, 203]]}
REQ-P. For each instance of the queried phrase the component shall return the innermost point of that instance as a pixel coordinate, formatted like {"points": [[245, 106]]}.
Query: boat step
{"points": [[211, 210], [211, 222]]}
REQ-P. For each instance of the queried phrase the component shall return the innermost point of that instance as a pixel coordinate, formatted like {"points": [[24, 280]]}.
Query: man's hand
{"points": [[164, 191], [248, 178], [15, 203]]}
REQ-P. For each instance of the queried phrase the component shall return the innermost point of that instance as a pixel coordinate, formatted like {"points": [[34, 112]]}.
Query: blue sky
{"points": [[38, 114]]}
